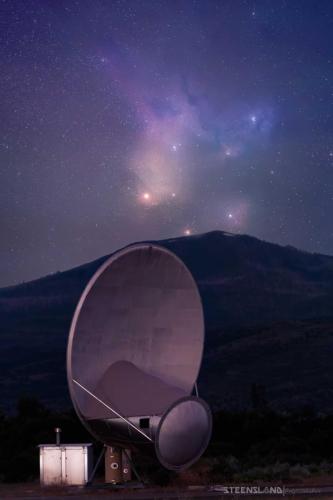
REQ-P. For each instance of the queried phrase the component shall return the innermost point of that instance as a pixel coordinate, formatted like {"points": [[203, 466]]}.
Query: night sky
{"points": [[131, 120]]}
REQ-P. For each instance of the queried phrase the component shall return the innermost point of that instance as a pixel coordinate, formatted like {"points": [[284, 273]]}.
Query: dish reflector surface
{"points": [[137, 335], [183, 433]]}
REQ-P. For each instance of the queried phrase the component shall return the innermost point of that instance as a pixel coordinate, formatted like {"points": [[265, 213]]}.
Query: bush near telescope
{"points": [[245, 446]]}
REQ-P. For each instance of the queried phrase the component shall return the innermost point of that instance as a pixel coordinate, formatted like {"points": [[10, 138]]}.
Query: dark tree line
{"points": [[259, 444]]}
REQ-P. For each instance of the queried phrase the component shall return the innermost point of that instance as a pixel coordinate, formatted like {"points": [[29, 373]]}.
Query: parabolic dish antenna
{"points": [[134, 354]]}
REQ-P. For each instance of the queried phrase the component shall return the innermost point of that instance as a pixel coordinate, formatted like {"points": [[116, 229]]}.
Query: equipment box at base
{"points": [[65, 464]]}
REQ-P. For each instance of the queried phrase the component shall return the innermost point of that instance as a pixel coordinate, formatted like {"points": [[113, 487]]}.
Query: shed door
{"points": [[75, 465], [51, 465]]}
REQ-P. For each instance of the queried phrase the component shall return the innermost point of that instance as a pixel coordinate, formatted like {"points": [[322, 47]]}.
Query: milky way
{"points": [[133, 120]]}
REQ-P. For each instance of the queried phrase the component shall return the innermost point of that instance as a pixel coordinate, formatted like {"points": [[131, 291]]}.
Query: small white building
{"points": [[65, 464]]}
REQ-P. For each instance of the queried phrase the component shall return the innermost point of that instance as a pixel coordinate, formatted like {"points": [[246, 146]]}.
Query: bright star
{"points": [[146, 197], [253, 118], [230, 216], [175, 147], [187, 232]]}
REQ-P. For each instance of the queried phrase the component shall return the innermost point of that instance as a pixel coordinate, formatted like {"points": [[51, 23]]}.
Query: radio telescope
{"points": [[134, 354]]}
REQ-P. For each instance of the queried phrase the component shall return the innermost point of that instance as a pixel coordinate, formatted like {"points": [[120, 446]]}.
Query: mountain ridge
{"points": [[213, 233], [247, 286]]}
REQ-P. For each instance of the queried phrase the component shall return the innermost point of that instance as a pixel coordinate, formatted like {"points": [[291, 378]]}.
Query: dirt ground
{"points": [[307, 489]]}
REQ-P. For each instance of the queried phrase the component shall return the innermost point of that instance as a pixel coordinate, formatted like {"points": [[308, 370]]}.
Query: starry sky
{"points": [[126, 120]]}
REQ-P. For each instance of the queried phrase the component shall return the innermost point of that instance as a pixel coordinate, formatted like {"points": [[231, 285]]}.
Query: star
{"points": [[253, 119], [146, 197], [187, 232]]}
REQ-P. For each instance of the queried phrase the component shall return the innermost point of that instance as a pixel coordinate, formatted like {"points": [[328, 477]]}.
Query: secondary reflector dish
{"points": [[134, 353]]}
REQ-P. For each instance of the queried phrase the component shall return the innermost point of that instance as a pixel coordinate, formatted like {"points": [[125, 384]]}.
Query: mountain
{"points": [[269, 325]]}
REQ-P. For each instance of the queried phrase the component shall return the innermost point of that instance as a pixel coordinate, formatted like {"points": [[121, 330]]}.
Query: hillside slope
{"points": [[269, 324]]}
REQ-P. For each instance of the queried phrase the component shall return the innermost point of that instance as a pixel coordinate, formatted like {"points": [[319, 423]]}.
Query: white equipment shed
{"points": [[65, 464]]}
